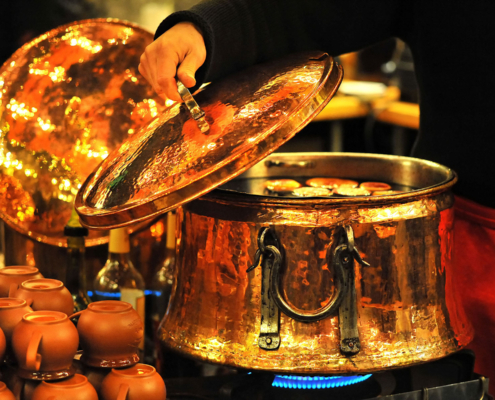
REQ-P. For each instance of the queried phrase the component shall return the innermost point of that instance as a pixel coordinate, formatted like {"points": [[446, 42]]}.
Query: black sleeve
{"points": [[239, 33]]}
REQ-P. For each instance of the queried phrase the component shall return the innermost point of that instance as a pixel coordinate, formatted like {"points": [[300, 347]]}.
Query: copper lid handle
{"points": [[197, 113]]}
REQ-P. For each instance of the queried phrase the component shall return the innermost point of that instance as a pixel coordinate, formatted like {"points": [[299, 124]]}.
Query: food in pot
{"points": [[312, 192], [282, 185], [352, 191], [374, 186], [331, 183]]}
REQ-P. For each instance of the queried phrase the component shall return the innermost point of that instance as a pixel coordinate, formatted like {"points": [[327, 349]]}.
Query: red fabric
{"points": [[474, 278]]}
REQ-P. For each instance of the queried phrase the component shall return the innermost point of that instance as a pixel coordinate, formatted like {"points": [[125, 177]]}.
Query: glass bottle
{"points": [[75, 274], [164, 277], [118, 279], [161, 288]]}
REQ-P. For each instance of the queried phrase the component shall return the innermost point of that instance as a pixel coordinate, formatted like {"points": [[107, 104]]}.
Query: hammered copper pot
{"points": [[400, 294], [336, 284]]}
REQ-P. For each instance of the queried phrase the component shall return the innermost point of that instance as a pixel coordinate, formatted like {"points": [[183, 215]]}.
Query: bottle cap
{"points": [[171, 218], [74, 227], [119, 241]]}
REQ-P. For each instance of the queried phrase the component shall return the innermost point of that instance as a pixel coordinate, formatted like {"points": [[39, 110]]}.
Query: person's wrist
{"points": [[192, 25]]}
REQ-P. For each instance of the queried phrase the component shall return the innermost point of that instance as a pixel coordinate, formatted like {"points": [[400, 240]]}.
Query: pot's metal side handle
{"points": [[266, 256], [340, 260], [270, 257], [349, 333], [269, 338]]}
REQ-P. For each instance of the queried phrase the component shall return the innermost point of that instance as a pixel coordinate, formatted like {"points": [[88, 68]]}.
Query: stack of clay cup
{"points": [[40, 345]]}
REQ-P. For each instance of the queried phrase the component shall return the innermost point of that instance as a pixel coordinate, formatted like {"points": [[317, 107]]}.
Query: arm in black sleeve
{"points": [[239, 33]]}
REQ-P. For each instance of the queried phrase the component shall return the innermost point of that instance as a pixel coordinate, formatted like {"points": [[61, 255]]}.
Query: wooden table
{"points": [[343, 107]]}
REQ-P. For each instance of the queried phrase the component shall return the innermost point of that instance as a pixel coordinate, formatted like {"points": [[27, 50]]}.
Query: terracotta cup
{"points": [[12, 277], [11, 313], [5, 394], [45, 294], [44, 344], [22, 389], [76, 387], [138, 382], [3, 345], [96, 375], [110, 332]]}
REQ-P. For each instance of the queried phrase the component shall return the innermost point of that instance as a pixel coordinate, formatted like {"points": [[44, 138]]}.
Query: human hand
{"points": [[179, 52]]}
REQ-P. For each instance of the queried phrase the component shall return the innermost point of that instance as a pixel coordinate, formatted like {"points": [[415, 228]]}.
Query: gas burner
{"points": [[448, 378], [316, 382]]}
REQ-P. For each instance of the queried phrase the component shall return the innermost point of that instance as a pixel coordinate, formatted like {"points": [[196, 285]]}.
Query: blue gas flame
{"points": [[316, 382]]}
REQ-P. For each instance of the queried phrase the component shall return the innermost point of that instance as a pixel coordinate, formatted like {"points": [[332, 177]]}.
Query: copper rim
{"points": [[446, 179]]}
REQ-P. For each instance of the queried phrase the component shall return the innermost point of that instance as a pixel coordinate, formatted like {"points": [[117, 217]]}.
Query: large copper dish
{"points": [[172, 161], [67, 100], [404, 301]]}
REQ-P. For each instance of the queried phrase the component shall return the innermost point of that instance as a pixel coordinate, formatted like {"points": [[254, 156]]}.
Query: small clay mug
{"points": [[138, 382], [3, 345], [11, 313], [5, 393], [76, 387], [95, 375], [45, 343], [21, 388], [12, 277], [45, 294], [110, 332]]}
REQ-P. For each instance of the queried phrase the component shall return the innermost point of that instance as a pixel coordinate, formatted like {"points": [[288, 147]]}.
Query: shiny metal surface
{"points": [[197, 113], [67, 100], [407, 311], [172, 162]]}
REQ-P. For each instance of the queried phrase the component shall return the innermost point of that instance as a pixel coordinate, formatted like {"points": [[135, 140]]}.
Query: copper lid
{"points": [[67, 99], [171, 161]]}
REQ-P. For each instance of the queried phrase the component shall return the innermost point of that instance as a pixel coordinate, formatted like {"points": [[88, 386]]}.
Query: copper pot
{"points": [[339, 285]]}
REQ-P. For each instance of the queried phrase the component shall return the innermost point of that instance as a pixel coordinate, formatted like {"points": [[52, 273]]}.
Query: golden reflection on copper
{"points": [[330, 183], [67, 100], [311, 192], [407, 310], [171, 161], [351, 191], [281, 185], [375, 186]]}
